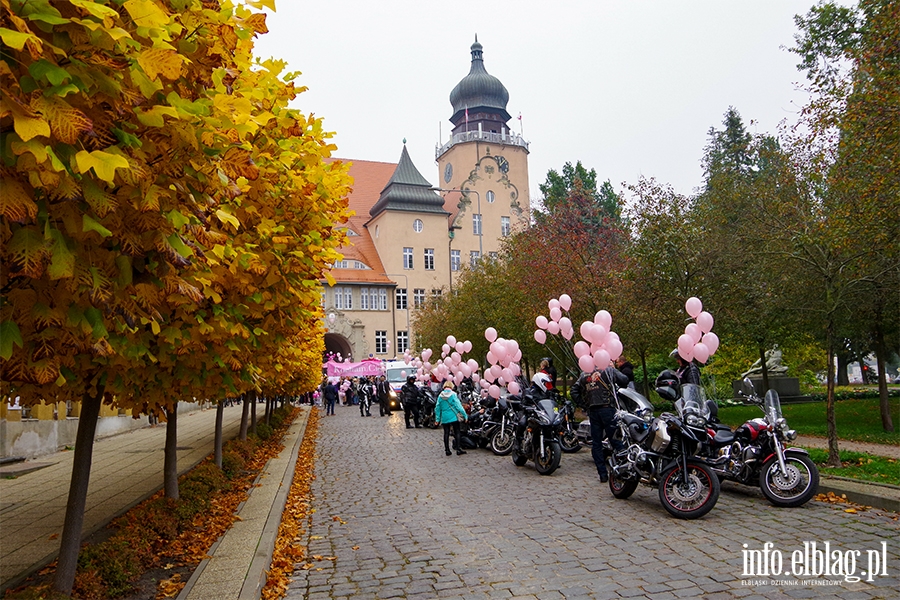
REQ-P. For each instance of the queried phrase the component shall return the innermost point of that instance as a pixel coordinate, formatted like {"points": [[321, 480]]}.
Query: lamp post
{"points": [[406, 283], [480, 216]]}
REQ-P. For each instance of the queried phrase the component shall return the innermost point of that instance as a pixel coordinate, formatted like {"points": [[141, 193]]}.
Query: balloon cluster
{"points": [[600, 345], [451, 366], [504, 356], [698, 342]]}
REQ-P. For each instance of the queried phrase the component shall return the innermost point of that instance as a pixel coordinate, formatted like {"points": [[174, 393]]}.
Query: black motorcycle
{"points": [[568, 428], [427, 402], [661, 452], [537, 437], [755, 453]]}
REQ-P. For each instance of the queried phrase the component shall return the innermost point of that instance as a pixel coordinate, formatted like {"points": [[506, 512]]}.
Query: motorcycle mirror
{"points": [[748, 387]]}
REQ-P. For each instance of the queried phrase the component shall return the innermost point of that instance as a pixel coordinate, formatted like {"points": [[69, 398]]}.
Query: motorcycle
{"points": [[568, 428], [755, 453], [539, 439], [502, 425], [427, 402], [660, 451]]}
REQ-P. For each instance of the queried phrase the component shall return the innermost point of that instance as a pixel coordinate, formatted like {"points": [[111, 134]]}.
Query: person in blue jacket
{"points": [[448, 412]]}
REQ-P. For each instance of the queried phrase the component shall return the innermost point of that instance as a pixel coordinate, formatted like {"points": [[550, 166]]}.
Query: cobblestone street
{"points": [[395, 517]]}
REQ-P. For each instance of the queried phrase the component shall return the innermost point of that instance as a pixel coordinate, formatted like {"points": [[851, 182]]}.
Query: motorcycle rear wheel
{"points": [[621, 488], [568, 441], [796, 488], [502, 442], [690, 496], [550, 461]]}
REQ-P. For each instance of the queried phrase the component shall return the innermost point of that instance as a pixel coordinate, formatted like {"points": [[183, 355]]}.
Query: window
{"points": [[402, 341], [339, 298], [380, 342], [418, 226], [476, 224], [364, 298], [436, 293], [350, 264], [492, 256], [373, 299], [490, 197], [382, 299], [348, 298], [400, 299], [419, 297], [429, 259], [474, 257], [455, 260], [504, 226], [407, 258]]}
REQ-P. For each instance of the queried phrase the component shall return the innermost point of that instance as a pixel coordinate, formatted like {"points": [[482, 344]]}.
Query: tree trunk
{"points": [[252, 399], [834, 455], [70, 543], [842, 377], [220, 412], [765, 370], [245, 412], [269, 408], [170, 463], [887, 423]]}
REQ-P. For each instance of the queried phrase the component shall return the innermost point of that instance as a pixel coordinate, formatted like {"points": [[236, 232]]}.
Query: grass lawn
{"points": [[859, 466], [857, 420]]}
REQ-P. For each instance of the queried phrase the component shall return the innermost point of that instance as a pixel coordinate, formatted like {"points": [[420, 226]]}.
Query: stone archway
{"points": [[337, 344]]}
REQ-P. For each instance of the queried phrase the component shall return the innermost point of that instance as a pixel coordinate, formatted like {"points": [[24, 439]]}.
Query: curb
{"points": [[882, 496]]}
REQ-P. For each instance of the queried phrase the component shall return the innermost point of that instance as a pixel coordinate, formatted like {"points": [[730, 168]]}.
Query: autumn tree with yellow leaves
{"points": [[165, 217]]}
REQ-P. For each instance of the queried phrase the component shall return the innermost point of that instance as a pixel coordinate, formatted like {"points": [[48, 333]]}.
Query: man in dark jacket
{"points": [[409, 395], [330, 395], [596, 392], [384, 406], [627, 369]]}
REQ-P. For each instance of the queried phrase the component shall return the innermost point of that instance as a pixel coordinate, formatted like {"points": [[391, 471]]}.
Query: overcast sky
{"points": [[630, 88]]}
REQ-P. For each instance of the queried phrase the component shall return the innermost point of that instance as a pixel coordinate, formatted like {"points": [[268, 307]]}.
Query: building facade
{"points": [[410, 239]]}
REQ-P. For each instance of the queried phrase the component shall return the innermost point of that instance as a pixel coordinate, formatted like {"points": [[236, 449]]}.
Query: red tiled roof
{"points": [[369, 178]]}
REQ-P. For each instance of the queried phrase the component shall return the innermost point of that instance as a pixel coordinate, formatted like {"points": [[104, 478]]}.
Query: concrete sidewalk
{"points": [[126, 469]]}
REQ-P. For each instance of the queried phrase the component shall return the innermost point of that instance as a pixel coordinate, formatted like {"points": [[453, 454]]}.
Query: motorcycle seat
{"points": [[723, 437]]}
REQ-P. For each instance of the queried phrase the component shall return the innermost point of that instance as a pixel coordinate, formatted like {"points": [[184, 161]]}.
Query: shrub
{"points": [[244, 448], [116, 561], [263, 431], [209, 475], [232, 464], [153, 519]]}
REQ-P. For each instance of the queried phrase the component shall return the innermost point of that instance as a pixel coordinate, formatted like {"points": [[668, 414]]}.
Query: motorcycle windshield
{"points": [[773, 405], [632, 401], [693, 401]]}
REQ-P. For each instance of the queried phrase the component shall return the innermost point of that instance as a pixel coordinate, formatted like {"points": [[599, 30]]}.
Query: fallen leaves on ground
{"points": [[170, 588], [290, 549], [832, 498]]}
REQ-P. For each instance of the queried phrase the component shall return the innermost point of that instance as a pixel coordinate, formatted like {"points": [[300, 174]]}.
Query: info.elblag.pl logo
{"points": [[816, 560]]}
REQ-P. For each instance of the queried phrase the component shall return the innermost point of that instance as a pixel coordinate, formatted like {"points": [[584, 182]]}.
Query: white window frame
{"points": [[401, 302], [505, 226], [476, 224], [474, 258], [363, 298], [418, 297], [429, 259], [381, 339], [382, 299], [402, 341], [455, 260], [407, 259]]}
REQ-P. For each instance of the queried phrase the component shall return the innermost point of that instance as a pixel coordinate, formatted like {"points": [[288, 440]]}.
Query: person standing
{"points": [[409, 395], [330, 394], [449, 413], [597, 392], [384, 390], [627, 369], [687, 371]]}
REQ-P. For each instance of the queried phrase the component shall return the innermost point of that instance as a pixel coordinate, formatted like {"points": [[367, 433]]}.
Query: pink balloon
{"points": [[467, 346], [693, 306], [565, 302], [540, 336], [465, 370], [541, 322], [507, 375], [705, 321], [499, 350], [489, 376], [511, 347], [448, 360], [473, 364], [455, 357], [496, 371], [701, 352], [514, 368], [517, 356], [553, 304], [460, 347], [711, 341], [513, 387], [565, 323], [685, 343], [585, 330], [403, 373], [615, 348], [601, 359], [687, 355], [451, 341], [586, 363], [426, 353], [445, 349], [693, 330], [556, 314], [598, 333], [490, 334], [553, 327], [581, 348], [567, 333], [494, 391], [603, 318], [485, 384], [475, 377]]}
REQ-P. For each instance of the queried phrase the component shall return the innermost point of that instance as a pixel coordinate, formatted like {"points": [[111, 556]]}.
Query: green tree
{"points": [[557, 188]]}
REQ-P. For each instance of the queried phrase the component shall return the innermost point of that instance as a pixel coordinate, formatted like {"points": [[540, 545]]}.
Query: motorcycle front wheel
{"points": [[568, 441], [688, 495], [548, 463], [796, 487], [518, 459], [618, 487], [502, 442]]}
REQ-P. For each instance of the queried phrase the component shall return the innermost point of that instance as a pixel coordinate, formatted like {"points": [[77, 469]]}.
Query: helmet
{"points": [[411, 379], [667, 385]]}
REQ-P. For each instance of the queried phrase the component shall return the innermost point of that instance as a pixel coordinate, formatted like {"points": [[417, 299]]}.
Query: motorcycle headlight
{"points": [[646, 414], [781, 424], [791, 435], [695, 421]]}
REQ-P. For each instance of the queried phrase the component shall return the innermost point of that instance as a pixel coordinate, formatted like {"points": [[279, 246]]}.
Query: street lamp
{"points": [[480, 216]]}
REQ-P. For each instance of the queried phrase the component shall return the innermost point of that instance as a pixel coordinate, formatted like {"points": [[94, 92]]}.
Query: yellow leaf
{"points": [[67, 123], [228, 218], [154, 116], [29, 127], [103, 163], [17, 39], [96, 9], [159, 61], [850, 510], [146, 13], [155, 327], [16, 203]]}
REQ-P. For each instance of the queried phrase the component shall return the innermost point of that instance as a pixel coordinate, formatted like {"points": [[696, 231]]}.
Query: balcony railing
{"points": [[509, 139]]}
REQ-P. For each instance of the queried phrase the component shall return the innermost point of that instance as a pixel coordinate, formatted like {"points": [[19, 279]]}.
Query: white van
{"points": [[396, 372]]}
